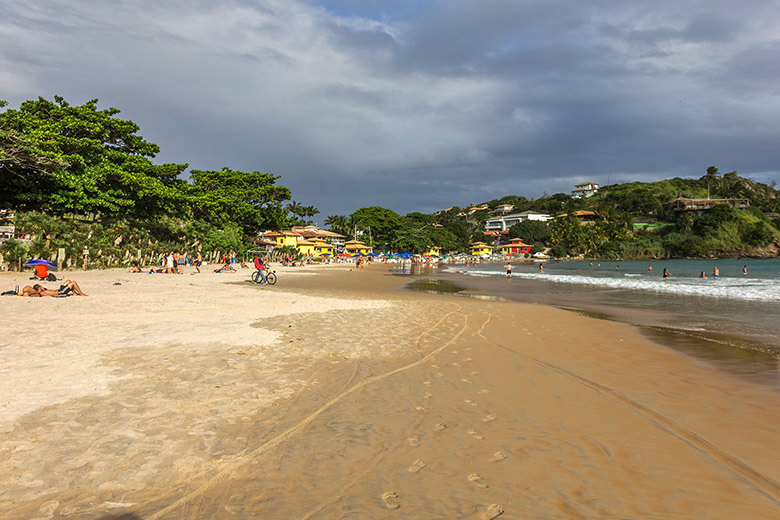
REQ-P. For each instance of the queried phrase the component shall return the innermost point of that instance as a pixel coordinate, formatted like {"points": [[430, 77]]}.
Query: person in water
{"points": [[716, 272], [667, 274]]}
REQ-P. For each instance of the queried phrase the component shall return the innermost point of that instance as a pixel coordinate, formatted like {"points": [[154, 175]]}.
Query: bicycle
{"points": [[270, 277]]}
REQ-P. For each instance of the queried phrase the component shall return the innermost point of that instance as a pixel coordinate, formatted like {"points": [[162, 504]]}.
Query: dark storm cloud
{"points": [[418, 105]]}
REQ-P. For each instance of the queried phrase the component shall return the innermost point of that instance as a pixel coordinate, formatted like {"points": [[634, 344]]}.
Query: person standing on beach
{"points": [[198, 261], [169, 263], [508, 270]]}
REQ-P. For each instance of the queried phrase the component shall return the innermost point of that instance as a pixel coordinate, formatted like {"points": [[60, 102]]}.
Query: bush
{"points": [[12, 251]]}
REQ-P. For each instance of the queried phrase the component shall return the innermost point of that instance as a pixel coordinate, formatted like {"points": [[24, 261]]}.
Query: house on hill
{"points": [[502, 222], [584, 190], [684, 204], [584, 216]]}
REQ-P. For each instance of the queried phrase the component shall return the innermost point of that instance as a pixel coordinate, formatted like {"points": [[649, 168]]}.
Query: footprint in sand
{"points": [[454, 351], [416, 466], [419, 408], [474, 434], [427, 383], [439, 427], [390, 500], [474, 373], [468, 359], [455, 364], [484, 391], [465, 380], [498, 456], [428, 395], [477, 480], [469, 401], [488, 418], [491, 512], [413, 441], [434, 365]]}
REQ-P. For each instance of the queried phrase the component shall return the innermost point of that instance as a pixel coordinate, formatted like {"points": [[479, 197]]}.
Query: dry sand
{"points": [[335, 394]]}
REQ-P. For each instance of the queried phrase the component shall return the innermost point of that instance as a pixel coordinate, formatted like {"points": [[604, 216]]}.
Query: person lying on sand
{"points": [[67, 287], [227, 268]]}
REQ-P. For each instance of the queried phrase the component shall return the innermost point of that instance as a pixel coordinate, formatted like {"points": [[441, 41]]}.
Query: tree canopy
{"points": [[60, 158]]}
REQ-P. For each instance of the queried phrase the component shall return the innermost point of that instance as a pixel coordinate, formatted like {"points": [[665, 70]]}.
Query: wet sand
{"points": [[336, 394]]}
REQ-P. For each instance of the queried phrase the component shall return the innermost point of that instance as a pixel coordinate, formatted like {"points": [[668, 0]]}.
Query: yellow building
{"points": [[480, 248], [282, 238], [306, 247], [322, 248], [434, 251], [356, 246]]}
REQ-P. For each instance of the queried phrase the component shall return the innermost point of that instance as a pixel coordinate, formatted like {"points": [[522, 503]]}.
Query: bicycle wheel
{"points": [[256, 277], [271, 277]]}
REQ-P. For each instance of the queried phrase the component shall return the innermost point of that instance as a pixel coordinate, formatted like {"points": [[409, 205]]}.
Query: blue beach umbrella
{"points": [[40, 261]]}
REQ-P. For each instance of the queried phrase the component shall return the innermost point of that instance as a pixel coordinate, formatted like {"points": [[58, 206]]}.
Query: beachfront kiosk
{"points": [[480, 249], [516, 246], [356, 247]]}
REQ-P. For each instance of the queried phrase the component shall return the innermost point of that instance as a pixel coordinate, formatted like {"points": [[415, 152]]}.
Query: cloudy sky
{"points": [[415, 105]]}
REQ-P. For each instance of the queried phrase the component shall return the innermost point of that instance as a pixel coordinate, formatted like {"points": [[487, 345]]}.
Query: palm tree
{"points": [[338, 224]]}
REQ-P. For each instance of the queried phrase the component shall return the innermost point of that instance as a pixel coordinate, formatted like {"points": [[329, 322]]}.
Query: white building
{"points": [[500, 223], [584, 190]]}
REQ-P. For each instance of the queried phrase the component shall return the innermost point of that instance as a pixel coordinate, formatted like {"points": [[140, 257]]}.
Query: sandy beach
{"points": [[338, 394]]}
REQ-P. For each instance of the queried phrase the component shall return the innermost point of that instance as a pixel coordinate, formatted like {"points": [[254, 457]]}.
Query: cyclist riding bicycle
{"points": [[261, 268]]}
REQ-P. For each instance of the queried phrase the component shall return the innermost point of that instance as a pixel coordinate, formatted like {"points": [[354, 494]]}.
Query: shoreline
{"points": [[338, 393], [746, 355]]}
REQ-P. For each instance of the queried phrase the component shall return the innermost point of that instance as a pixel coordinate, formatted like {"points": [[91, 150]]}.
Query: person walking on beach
{"points": [[508, 270], [198, 261], [667, 274]]}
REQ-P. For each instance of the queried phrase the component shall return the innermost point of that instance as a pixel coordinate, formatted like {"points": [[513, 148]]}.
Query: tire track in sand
{"points": [[232, 466], [763, 484]]}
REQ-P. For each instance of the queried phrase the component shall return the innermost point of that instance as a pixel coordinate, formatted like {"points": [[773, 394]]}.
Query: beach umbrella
{"points": [[40, 261]]}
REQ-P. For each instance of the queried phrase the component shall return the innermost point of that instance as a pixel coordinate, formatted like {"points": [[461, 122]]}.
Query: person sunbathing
{"points": [[67, 287], [31, 292], [227, 268]]}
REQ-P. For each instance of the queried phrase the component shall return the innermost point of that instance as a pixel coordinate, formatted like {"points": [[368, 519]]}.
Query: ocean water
{"points": [[732, 320]]}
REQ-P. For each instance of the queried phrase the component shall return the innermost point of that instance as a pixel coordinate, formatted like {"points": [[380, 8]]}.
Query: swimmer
{"points": [[649, 267], [716, 272], [541, 268], [744, 270], [667, 274], [703, 275]]}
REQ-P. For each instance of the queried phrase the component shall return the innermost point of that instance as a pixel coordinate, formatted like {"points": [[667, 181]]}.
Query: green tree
{"points": [[531, 231], [339, 224], [380, 224], [61, 158], [252, 200]]}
